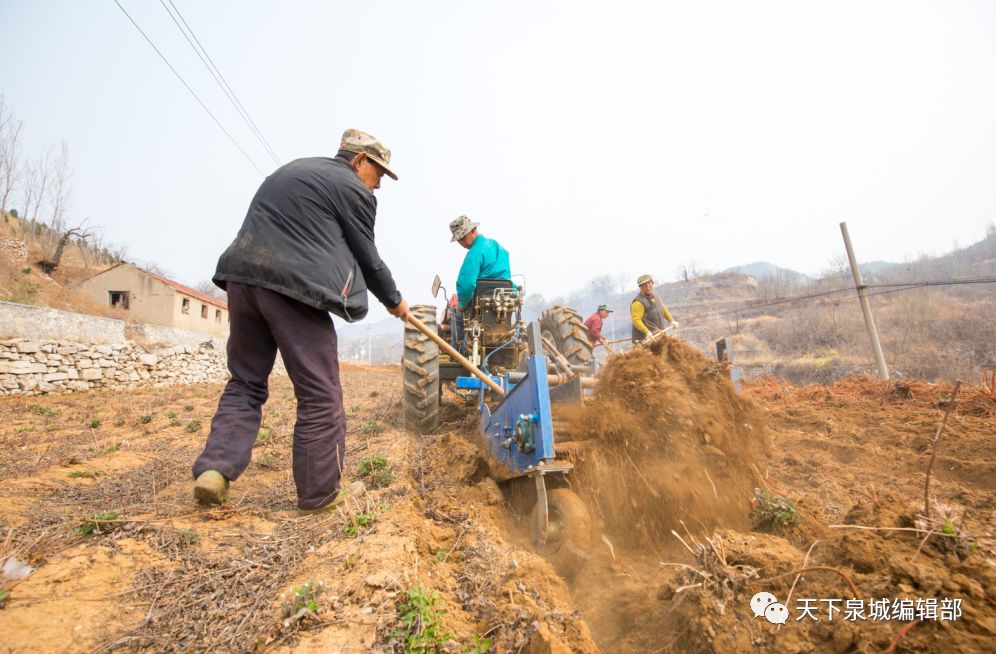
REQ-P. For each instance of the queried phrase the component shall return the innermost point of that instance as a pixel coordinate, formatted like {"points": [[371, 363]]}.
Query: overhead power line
{"points": [[892, 287], [218, 77], [187, 86], [899, 287]]}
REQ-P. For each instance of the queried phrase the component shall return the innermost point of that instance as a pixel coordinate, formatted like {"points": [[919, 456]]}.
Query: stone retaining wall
{"points": [[29, 367], [41, 323], [171, 335]]}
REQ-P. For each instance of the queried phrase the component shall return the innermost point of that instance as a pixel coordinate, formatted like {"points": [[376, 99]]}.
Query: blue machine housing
{"points": [[519, 433]]}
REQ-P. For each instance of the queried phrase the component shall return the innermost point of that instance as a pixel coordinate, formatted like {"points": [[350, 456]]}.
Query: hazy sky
{"points": [[588, 138]]}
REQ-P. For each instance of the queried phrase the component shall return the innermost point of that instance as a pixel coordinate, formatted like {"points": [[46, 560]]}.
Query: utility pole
{"points": [[883, 370]]}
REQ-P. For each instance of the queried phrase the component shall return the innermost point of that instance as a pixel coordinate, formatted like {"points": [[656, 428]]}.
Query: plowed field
{"points": [[96, 499]]}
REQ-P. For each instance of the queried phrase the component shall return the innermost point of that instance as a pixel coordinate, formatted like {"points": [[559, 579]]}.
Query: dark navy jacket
{"points": [[309, 235]]}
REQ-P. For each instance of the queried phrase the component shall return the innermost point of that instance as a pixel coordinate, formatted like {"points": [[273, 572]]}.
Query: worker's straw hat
{"points": [[354, 140]]}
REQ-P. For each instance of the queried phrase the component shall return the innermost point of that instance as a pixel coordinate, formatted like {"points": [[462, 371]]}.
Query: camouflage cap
{"points": [[461, 227], [604, 307], [354, 140], [643, 279]]}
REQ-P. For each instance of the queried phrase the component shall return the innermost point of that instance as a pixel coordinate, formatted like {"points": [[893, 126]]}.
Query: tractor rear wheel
{"points": [[568, 540], [420, 368], [564, 327]]}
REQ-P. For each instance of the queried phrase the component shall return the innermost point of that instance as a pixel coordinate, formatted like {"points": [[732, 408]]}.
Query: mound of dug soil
{"points": [[880, 579], [665, 439]]}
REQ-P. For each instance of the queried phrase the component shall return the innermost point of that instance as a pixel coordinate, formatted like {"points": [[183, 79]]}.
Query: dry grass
{"points": [[925, 333]]}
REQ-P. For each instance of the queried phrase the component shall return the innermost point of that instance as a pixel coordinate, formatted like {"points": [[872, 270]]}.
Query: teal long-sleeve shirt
{"points": [[485, 258]]}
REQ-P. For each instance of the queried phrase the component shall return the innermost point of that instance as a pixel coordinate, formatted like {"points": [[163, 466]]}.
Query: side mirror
{"points": [[435, 285]]}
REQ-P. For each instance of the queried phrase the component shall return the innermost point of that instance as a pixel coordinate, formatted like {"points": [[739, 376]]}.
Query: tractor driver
{"points": [[484, 258]]}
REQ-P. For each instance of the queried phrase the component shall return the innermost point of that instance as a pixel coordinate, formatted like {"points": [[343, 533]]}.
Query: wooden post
{"points": [[883, 370]]}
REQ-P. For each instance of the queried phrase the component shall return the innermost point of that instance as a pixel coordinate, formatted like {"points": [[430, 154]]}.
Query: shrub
{"points": [[44, 410], [302, 598], [360, 521], [372, 427], [419, 628], [773, 512], [377, 470], [100, 523]]}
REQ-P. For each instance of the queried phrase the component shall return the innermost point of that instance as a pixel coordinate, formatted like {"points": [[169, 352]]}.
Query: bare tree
{"points": [[80, 233], [601, 288], [691, 270], [119, 254], [59, 192], [35, 188], [207, 287], [10, 152], [838, 269], [626, 282], [151, 266]]}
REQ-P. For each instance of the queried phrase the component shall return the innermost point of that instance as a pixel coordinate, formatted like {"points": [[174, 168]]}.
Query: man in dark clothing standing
{"points": [[648, 311], [306, 248]]}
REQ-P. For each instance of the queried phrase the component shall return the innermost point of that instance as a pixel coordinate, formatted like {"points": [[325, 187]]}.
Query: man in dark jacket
{"points": [[306, 248]]}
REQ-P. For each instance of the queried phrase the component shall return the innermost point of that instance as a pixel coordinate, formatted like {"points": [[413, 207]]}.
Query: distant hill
{"points": [[978, 259], [762, 269], [876, 267]]}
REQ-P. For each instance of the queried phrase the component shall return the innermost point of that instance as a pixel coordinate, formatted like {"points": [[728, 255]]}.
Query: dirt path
{"points": [[156, 573]]}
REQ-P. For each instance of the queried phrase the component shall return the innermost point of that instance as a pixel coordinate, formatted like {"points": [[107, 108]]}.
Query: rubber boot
{"points": [[353, 490], [211, 487]]}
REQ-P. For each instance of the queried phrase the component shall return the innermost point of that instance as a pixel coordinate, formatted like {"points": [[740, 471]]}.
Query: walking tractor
{"points": [[516, 371]]}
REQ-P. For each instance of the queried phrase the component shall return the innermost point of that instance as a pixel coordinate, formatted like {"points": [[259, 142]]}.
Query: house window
{"points": [[217, 316], [204, 311], [185, 307], [118, 299]]}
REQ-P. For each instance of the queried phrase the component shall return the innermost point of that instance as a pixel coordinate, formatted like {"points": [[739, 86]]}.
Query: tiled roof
{"points": [[186, 290]]}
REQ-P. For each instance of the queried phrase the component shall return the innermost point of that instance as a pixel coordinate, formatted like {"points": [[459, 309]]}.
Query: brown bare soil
{"points": [[665, 444]]}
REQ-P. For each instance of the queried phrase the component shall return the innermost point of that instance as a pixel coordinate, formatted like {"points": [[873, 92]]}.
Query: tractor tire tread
{"points": [[570, 336], [420, 366]]}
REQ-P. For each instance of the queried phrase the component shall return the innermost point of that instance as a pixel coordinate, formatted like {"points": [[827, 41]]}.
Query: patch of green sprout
{"points": [[100, 523], [420, 629], [773, 511]]}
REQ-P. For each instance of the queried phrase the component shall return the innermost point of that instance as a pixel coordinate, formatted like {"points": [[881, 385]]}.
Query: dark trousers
{"points": [[262, 322]]}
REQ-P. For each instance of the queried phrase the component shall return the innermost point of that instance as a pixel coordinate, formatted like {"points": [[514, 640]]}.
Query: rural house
{"points": [[151, 298]]}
